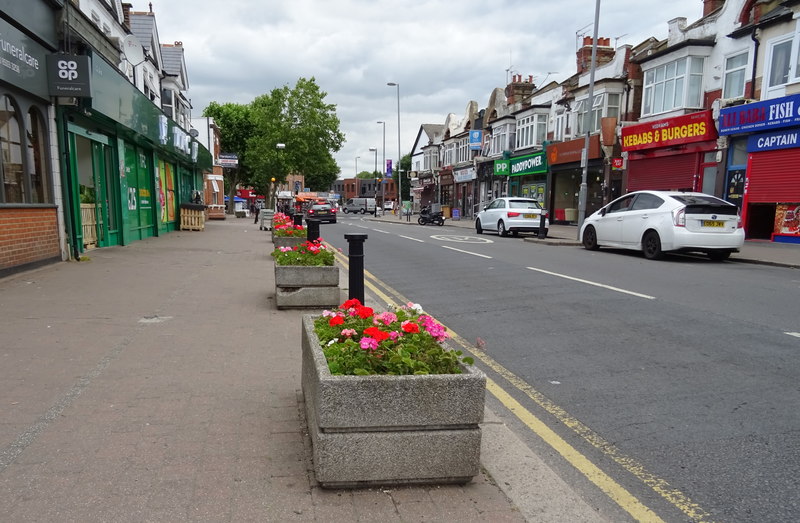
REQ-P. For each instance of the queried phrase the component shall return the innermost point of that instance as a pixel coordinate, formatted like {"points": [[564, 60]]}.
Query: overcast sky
{"points": [[443, 53]]}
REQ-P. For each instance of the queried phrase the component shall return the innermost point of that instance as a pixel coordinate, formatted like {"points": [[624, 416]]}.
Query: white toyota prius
{"points": [[656, 222]]}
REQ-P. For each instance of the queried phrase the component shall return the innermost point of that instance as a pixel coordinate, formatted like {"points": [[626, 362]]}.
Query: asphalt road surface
{"points": [[679, 379]]}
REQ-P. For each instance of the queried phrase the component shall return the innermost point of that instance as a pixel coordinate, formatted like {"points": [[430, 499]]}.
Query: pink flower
{"points": [[369, 343], [394, 335], [349, 332], [386, 317]]}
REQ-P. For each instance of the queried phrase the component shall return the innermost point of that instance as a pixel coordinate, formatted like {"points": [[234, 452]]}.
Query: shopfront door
{"points": [[97, 187], [139, 176]]}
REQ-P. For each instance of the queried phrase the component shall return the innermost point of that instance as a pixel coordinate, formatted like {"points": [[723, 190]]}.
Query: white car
{"points": [[655, 222], [511, 214]]}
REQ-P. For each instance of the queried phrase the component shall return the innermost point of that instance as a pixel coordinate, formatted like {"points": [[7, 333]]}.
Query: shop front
{"points": [[528, 176], [673, 154], [770, 131], [566, 171], [127, 166], [464, 181], [30, 234], [446, 190], [424, 194]]}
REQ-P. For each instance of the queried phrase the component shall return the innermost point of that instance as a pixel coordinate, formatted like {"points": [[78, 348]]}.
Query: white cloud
{"points": [[442, 53]]}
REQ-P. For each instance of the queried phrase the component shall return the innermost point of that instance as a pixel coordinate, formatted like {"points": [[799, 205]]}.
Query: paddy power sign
{"points": [[695, 127], [530, 164]]}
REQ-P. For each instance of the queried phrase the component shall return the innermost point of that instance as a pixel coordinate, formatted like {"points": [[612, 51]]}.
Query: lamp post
{"points": [[280, 147], [375, 172], [399, 182], [582, 194], [383, 168], [357, 157]]}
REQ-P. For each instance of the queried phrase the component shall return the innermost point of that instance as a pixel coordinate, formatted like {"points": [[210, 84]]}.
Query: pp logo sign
{"points": [[67, 69]]}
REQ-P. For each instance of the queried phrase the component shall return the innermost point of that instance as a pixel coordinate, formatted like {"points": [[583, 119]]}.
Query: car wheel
{"points": [[344, 211], [590, 239], [651, 245], [478, 227], [719, 255], [501, 229], [363, 211]]}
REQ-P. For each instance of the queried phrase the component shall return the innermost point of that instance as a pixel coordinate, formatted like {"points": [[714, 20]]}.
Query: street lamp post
{"points": [[377, 176], [383, 168], [582, 194], [357, 157], [399, 182], [280, 147]]}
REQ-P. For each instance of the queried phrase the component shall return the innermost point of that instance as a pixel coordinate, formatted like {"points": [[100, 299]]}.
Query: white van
{"points": [[362, 205]]}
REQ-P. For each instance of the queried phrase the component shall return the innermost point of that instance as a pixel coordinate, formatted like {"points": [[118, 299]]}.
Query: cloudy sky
{"points": [[442, 53]]}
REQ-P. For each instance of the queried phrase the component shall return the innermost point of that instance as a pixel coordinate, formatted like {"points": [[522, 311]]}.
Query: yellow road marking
{"points": [[616, 492]]}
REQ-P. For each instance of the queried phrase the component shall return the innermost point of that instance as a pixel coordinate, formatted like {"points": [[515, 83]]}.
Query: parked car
{"points": [[322, 212], [511, 215], [656, 222], [388, 205], [362, 205]]}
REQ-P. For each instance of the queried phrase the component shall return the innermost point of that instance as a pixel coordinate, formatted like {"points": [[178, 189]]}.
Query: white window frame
{"points": [[772, 89], [560, 125], [604, 104], [531, 131], [677, 84], [732, 86], [463, 150], [499, 139]]}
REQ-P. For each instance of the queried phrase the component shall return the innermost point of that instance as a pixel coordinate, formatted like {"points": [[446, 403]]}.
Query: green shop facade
{"points": [[126, 167], [527, 175]]}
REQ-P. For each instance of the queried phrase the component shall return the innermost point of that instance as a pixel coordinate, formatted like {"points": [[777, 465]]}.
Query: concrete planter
{"points": [[306, 287], [287, 241], [390, 430]]}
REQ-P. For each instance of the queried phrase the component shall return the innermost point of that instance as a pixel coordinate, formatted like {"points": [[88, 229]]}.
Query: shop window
{"points": [[14, 185], [37, 157]]}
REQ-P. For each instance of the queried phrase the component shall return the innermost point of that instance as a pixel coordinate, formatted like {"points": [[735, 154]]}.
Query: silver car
{"points": [[513, 215], [655, 222]]}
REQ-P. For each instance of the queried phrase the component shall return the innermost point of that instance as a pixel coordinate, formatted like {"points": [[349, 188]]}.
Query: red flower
{"points": [[375, 332], [364, 312], [410, 327], [335, 320], [351, 303]]}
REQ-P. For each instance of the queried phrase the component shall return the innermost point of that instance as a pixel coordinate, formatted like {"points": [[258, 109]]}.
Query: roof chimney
{"points": [[605, 53], [709, 6], [126, 14]]}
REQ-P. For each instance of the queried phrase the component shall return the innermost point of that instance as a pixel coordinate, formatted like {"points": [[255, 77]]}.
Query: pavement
{"points": [[158, 382], [761, 252]]}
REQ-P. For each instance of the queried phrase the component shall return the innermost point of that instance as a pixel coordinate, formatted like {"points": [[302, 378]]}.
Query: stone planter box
{"points": [[390, 430], [306, 287], [287, 241]]}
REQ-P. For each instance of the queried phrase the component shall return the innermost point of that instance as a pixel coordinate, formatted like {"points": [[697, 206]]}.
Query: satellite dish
{"points": [[133, 50]]}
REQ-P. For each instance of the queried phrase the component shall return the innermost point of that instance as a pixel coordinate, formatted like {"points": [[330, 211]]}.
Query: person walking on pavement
{"points": [[257, 211]]}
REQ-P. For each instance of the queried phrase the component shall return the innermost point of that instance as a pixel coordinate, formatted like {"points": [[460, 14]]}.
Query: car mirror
{"points": [[603, 211]]}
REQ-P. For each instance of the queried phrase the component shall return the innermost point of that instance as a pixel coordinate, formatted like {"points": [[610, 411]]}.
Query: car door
{"points": [[609, 226], [641, 216], [490, 216]]}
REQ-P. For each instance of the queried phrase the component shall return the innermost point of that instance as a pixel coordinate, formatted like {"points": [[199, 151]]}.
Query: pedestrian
{"points": [[257, 211]]}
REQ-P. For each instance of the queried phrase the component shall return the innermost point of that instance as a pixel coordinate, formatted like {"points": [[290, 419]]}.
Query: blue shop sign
{"points": [[760, 116], [475, 140], [770, 141]]}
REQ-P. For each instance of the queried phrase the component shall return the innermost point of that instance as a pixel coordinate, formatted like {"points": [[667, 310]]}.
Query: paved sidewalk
{"points": [[754, 251], [158, 382]]}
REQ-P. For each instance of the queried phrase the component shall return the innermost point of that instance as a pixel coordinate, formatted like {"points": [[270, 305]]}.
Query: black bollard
{"points": [[312, 233], [298, 218], [355, 243]]}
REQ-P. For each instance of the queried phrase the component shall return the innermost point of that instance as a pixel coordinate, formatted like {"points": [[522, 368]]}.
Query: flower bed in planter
{"points": [[390, 429], [309, 281]]}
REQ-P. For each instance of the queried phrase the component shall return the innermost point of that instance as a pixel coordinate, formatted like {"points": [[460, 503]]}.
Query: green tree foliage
{"points": [[297, 117], [368, 175], [405, 167], [309, 128], [236, 126]]}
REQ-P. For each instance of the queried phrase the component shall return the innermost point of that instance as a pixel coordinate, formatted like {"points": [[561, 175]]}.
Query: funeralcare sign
{"points": [[22, 61]]}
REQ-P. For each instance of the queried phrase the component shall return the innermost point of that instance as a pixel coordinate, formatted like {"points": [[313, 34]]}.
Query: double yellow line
{"points": [[626, 501]]}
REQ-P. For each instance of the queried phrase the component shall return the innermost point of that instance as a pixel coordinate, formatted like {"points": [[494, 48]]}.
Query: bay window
{"points": [[782, 64], [674, 85]]}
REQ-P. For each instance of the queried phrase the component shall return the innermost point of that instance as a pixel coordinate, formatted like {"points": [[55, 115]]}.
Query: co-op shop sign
{"points": [[531, 164]]}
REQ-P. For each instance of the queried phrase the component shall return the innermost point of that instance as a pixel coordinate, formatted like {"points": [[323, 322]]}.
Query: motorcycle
{"points": [[426, 216]]}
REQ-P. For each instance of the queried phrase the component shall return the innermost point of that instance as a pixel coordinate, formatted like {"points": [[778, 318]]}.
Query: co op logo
{"points": [[67, 69]]}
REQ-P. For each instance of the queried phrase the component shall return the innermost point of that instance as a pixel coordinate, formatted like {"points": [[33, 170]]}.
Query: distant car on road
{"points": [[511, 215], [656, 222], [388, 206], [323, 212]]}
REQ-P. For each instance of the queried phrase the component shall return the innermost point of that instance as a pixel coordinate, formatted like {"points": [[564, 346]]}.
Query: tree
{"points": [[309, 128], [235, 126], [405, 168], [368, 175]]}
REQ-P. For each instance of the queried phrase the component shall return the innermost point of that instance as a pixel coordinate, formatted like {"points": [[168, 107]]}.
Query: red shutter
{"points": [[774, 176], [662, 174]]}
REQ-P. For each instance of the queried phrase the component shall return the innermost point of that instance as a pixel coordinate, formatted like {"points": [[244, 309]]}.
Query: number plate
{"points": [[530, 216], [713, 223]]}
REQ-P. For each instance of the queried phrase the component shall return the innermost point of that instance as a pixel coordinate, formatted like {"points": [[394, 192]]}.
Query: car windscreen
{"points": [[702, 204], [523, 204]]}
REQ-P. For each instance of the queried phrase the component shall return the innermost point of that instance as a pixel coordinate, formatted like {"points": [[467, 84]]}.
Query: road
{"points": [[678, 379]]}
